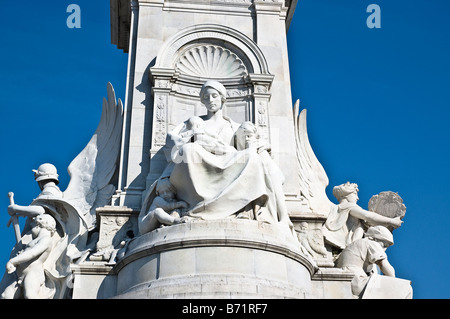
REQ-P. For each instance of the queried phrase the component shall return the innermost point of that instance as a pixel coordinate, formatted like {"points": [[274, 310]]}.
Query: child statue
{"points": [[29, 262], [164, 210], [359, 257]]}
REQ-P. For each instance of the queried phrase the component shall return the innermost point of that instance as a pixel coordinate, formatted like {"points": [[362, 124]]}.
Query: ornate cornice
{"points": [[120, 11]]}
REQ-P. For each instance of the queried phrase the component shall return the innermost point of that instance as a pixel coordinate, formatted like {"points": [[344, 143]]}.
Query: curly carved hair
{"points": [[341, 191]]}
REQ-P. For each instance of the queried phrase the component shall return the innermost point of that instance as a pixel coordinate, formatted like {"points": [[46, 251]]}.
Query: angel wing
{"points": [[93, 168], [313, 178]]}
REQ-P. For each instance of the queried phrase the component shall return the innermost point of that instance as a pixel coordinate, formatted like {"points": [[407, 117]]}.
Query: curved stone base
{"points": [[215, 259]]}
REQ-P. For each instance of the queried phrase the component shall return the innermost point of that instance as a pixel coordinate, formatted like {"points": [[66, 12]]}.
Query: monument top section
{"points": [[121, 12]]}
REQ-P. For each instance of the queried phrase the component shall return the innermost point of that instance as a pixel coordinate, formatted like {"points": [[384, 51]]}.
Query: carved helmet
{"points": [[380, 233], [46, 172]]}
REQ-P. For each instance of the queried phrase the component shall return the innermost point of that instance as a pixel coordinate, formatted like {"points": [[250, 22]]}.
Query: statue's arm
{"points": [[386, 268], [167, 206], [374, 218], [30, 253], [29, 211]]}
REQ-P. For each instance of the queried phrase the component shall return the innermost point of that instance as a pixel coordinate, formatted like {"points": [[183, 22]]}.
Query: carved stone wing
{"points": [[91, 171], [313, 178]]}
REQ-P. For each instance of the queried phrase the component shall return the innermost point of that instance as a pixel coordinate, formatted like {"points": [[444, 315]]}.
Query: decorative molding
{"points": [[160, 120], [232, 39], [210, 61]]}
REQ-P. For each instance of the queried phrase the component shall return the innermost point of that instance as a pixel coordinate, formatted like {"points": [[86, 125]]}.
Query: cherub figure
{"points": [[29, 262], [345, 223], [164, 210], [360, 256]]}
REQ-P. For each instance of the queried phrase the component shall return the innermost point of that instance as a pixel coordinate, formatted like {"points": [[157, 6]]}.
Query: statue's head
{"points": [[165, 189], [380, 234], [46, 172], [194, 122], [343, 191], [208, 89], [246, 134], [46, 221]]}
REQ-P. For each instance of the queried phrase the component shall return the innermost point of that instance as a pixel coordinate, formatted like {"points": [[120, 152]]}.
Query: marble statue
{"points": [[359, 257], [216, 169], [221, 169], [47, 251], [164, 210], [347, 220], [29, 262]]}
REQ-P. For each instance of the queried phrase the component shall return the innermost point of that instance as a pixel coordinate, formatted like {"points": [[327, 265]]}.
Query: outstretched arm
{"points": [[29, 211], [374, 218]]}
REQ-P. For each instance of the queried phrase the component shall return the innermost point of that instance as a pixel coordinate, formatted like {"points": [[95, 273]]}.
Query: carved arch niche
{"points": [[197, 54]]}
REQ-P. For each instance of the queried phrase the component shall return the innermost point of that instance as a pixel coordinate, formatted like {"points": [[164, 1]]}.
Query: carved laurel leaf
{"points": [[211, 62]]}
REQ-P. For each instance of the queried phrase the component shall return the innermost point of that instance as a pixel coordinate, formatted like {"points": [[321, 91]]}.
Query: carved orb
{"points": [[388, 204]]}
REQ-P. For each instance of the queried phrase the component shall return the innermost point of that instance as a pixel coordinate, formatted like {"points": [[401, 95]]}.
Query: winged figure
{"points": [[91, 171], [73, 212], [313, 178]]}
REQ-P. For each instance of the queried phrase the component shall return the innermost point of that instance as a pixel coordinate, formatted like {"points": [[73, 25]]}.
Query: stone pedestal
{"points": [[332, 283], [208, 259], [215, 259]]}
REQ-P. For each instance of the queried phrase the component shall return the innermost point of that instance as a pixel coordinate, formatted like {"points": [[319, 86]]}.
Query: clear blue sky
{"points": [[378, 105]]}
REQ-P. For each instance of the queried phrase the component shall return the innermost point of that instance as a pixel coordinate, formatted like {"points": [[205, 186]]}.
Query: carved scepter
{"points": [[14, 219]]}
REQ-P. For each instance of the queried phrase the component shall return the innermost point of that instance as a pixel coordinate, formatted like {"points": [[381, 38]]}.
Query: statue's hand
{"points": [[397, 222], [12, 209], [181, 220], [10, 268]]}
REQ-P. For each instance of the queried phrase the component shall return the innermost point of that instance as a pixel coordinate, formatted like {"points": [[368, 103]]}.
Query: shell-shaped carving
{"points": [[211, 62]]}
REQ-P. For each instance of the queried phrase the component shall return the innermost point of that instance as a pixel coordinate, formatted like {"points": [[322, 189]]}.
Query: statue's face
{"points": [[35, 228], [353, 197], [382, 243], [166, 193], [247, 138], [212, 100], [41, 185]]}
